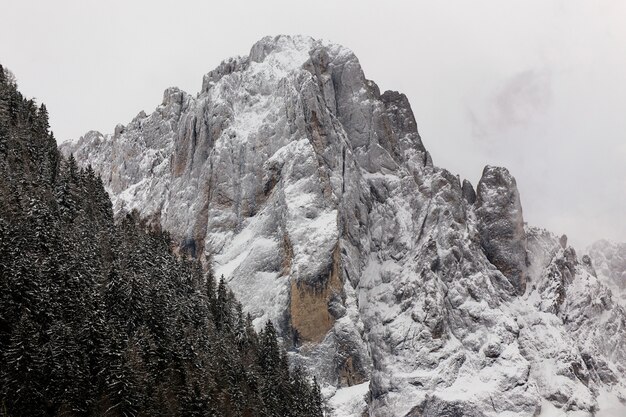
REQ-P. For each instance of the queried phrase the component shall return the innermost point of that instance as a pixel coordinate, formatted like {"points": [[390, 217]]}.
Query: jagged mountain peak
{"points": [[384, 273], [279, 55], [283, 44]]}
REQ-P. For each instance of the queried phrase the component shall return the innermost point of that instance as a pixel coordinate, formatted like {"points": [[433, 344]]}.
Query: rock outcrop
{"points": [[501, 225], [324, 211]]}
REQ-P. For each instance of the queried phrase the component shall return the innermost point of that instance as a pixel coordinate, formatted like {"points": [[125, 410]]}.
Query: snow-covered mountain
{"points": [[609, 261], [405, 290]]}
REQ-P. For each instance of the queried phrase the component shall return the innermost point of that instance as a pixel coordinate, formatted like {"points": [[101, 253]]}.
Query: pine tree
{"points": [[24, 379], [270, 370]]}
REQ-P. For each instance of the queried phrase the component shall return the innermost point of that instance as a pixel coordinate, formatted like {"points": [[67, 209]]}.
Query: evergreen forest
{"points": [[99, 316]]}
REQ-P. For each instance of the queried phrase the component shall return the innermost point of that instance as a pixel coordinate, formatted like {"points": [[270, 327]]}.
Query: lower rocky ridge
{"points": [[406, 292]]}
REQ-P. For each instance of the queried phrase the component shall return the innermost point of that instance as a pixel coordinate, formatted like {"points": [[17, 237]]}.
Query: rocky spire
{"points": [[501, 225]]}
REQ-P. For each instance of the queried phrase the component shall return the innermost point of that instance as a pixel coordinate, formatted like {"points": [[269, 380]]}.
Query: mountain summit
{"points": [[407, 292]]}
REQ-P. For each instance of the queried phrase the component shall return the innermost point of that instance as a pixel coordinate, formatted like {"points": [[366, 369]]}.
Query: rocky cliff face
{"points": [[386, 275]]}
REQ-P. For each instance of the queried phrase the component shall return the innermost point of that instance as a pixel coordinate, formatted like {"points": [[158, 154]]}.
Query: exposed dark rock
{"points": [[468, 192], [501, 225]]}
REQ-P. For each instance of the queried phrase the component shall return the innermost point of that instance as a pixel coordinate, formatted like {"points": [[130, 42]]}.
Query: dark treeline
{"points": [[100, 318]]}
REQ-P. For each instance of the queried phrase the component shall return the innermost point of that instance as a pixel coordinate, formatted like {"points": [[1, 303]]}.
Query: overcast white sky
{"points": [[538, 86]]}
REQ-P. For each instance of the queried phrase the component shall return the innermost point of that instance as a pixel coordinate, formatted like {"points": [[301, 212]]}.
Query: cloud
{"points": [[517, 102]]}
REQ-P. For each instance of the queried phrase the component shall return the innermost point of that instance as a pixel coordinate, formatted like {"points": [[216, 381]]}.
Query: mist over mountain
{"points": [[609, 260], [404, 290]]}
